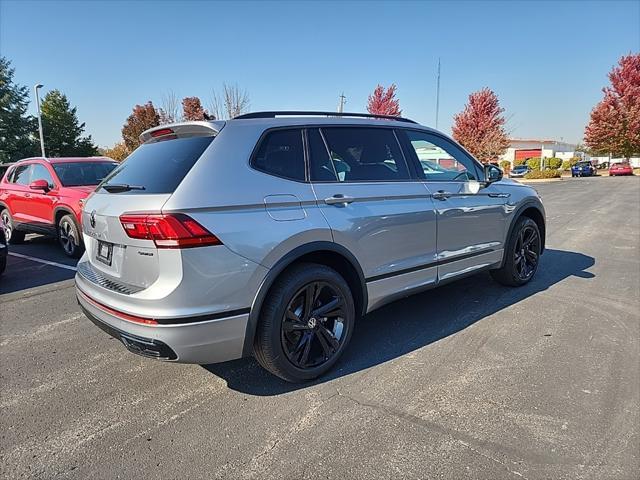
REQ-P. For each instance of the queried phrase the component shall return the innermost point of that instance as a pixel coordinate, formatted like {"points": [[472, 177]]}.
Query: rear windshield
{"points": [[77, 174], [158, 167]]}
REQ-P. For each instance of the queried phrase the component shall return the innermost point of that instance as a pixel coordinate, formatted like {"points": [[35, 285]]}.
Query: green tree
{"points": [[62, 130], [17, 129]]}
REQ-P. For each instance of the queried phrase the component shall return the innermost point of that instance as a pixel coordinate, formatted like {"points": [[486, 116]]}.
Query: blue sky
{"points": [[547, 61]]}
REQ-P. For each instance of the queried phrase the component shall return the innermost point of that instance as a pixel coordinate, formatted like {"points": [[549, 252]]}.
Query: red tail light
{"points": [[168, 231], [165, 133]]}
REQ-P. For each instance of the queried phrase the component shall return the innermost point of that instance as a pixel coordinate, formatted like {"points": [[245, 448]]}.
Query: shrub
{"points": [[541, 174], [566, 165], [534, 163], [505, 164], [553, 163], [519, 161]]}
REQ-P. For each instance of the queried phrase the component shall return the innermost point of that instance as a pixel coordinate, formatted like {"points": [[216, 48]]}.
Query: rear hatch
{"points": [[126, 235]]}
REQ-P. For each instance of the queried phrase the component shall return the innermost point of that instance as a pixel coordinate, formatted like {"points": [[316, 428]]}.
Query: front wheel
{"points": [[305, 324], [522, 254], [10, 233], [69, 237]]}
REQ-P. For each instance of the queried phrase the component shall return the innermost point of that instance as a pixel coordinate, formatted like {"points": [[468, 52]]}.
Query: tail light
{"points": [[175, 230]]}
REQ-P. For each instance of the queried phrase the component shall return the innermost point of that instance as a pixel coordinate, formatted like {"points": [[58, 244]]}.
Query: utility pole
{"points": [[35, 89], [343, 100], [438, 93]]}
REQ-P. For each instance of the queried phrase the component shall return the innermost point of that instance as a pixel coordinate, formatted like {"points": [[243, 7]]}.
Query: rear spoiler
{"points": [[181, 130]]}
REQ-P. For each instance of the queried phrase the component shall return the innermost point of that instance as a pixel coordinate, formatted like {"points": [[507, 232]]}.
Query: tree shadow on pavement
{"points": [[414, 322]]}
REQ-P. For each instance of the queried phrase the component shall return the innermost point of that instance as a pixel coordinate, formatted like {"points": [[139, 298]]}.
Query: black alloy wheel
{"points": [[313, 325]]}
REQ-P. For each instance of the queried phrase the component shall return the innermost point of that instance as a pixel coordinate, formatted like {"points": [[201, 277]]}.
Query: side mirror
{"points": [[39, 185], [492, 174]]}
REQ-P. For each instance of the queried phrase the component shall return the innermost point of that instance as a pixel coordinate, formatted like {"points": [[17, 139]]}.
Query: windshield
{"points": [[157, 167], [78, 174]]}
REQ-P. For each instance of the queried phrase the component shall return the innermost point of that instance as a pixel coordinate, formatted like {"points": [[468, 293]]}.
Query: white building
{"points": [[521, 149]]}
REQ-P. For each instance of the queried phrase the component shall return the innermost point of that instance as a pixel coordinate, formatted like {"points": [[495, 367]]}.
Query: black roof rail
{"points": [[289, 113]]}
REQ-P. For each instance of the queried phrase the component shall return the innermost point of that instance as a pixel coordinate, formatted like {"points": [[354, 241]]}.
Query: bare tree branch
{"points": [[170, 110], [236, 100]]}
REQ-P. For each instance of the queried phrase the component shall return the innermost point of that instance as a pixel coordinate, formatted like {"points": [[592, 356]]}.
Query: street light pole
{"points": [[35, 89]]}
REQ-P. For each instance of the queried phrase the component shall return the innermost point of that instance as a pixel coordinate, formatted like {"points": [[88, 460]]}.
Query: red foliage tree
{"points": [[192, 109], [480, 126], [614, 126], [383, 102], [142, 118]]}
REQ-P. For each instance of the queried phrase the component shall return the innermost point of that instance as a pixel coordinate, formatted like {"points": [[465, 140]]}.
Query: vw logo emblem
{"points": [[92, 219]]}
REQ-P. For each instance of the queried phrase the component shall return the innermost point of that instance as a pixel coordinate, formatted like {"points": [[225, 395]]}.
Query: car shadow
{"points": [[23, 273], [414, 322]]}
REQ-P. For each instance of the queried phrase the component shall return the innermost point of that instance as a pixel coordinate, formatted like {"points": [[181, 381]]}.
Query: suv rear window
{"points": [[159, 167]]}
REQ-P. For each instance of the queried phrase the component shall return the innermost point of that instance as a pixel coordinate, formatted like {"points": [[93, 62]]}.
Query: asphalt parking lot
{"points": [[472, 380]]}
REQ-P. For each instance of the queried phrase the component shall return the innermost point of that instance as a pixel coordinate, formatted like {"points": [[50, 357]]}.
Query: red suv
{"points": [[45, 195]]}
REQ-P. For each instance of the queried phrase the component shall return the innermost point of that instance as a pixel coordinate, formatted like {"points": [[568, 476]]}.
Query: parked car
{"points": [[271, 233], [583, 169], [4, 248], [620, 169], [519, 171], [45, 195]]}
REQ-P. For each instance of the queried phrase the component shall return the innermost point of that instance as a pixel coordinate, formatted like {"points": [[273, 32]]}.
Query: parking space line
{"points": [[46, 262]]}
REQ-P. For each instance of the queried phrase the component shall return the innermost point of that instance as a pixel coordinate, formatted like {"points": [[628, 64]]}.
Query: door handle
{"points": [[441, 195], [28, 195], [338, 199], [499, 195]]}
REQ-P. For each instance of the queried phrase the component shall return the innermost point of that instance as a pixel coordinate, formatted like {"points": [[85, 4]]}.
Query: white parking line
{"points": [[46, 262]]}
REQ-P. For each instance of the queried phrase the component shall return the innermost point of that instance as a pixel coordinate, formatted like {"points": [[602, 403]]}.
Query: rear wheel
{"points": [[12, 235], [69, 237], [522, 254], [305, 323]]}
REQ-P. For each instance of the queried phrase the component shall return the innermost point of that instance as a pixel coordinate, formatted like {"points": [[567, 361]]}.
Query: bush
{"points": [[566, 165], [519, 161], [505, 164], [534, 163], [541, 174], [553, 163]]}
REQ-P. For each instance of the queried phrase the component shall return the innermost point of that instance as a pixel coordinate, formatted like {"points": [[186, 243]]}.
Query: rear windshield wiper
{"points": [[121, 187]]}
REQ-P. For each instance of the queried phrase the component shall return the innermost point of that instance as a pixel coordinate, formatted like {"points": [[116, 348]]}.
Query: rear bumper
{"points": [[201, 342]]}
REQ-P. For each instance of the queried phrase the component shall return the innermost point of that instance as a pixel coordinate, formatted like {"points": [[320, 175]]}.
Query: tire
{"points": [[10, 233], [69, 237], [287, 331], [522, 255]]}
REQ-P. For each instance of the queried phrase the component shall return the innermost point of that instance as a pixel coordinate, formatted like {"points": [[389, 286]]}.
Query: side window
{"points": [[281, 153], [441, 160], [21, 175], [320, 164], [365, 154], [40, 172]]}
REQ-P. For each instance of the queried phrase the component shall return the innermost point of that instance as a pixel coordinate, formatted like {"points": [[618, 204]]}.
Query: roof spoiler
{"points": [[181, 130]]}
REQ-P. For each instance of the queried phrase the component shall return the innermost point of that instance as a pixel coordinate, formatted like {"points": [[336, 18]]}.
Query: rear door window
{"points": [[281, 153], [158, 167], [365, 154]]}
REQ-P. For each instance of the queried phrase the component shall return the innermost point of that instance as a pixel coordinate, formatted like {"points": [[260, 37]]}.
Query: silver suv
{"points": [[272, 233]]}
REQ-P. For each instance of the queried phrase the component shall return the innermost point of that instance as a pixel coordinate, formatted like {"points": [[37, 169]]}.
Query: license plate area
{"points": [[104, 252]]}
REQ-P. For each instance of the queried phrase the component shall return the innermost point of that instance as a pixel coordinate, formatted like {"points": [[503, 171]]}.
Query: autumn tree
{"points": [[63, 132], [118, 152], [192, 109], [142, 118], [614, 126], [480, 126], [384, 102], [17, 129]]}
